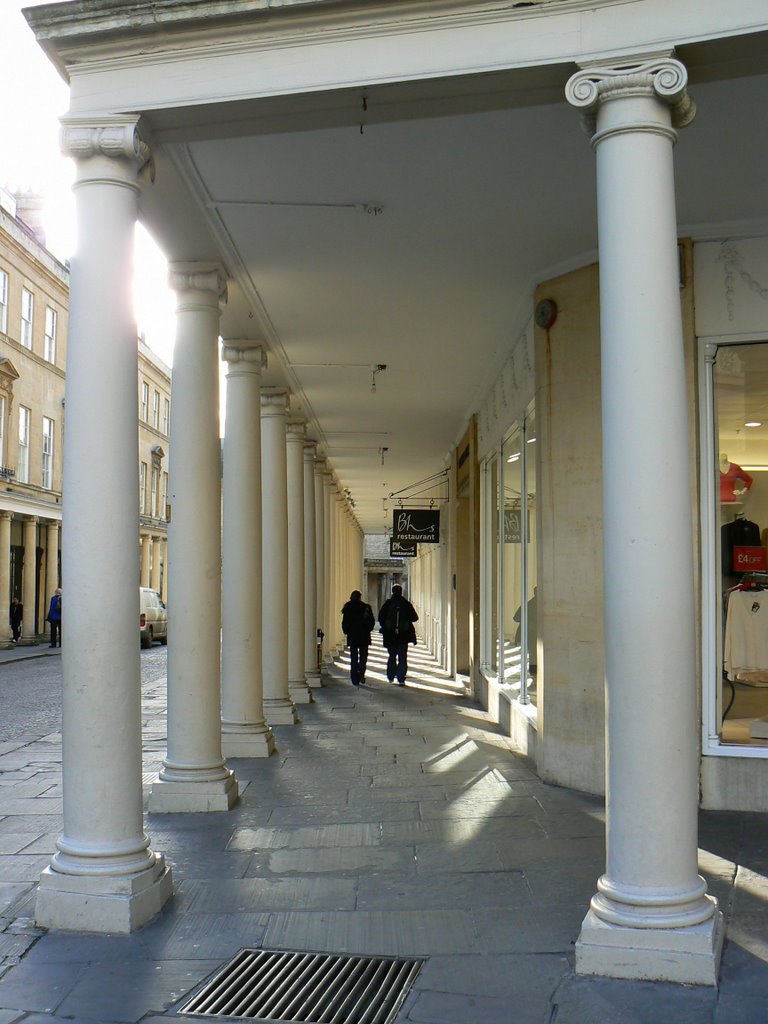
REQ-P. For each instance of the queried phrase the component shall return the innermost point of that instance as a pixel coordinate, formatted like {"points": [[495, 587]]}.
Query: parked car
{"points": [[153, 618]]}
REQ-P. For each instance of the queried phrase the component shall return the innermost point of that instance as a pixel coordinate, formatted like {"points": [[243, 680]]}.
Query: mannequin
{"points": [[734, 481]]}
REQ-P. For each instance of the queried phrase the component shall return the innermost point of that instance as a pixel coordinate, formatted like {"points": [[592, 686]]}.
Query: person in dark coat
{"points": [[396, 618], [54, 617], [17, 615], [357, 621]]}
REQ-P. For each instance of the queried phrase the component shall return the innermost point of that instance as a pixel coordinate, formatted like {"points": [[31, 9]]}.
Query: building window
{"points": [[47, 475], [164, 506], [166, 416], [154, 495], [50, 334], [143, 487], [27, 314], [2, 431], [156, 410], [23, 467], [3, 302], [145, 402]]}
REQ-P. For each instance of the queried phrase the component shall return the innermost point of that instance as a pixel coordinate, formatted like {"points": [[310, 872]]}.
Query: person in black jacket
{"points": [[396, 618], [357, 621]]}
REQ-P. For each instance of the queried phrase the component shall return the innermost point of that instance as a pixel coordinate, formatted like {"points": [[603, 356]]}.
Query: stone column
{"points": [[651, 917], [103, 877], [278, 704], [28, 636], [146, 542], [297, 682], [154, 577], [194, 776], [320, 546], [329, 504], [165, 570], [51, 566], [245, 732], [311, 619], [5, 578]]}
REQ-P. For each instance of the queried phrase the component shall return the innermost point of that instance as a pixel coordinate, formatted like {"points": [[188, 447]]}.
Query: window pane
{"points": [[27, 312], [47, 463], [3, 302], [50, 335], [741, 397], [23, 463]]}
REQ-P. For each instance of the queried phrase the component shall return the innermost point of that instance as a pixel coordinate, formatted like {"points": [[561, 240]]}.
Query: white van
{"points": [[153, 618]]}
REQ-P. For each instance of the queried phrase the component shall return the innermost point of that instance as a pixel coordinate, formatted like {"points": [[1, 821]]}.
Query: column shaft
{"points": [[278, 704], [651, 917], [194, 777], [146, 544], [51, 566], [154, 578], [245, 732], [103, 876], [311, 619], [297, 681], [28, 583], [5, 577]]}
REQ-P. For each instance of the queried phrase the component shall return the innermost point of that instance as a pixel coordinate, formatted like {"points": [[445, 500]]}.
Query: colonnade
{"points": [[36, 587], [429, 594], [651, 916]]}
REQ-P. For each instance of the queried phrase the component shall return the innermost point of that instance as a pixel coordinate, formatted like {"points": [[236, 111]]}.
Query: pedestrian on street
{"points": [[396, 618], [17, 615], [54, 617], [357, 621]]}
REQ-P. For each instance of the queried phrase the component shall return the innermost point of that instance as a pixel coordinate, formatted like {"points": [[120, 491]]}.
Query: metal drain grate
{"points": [[284, 987]]}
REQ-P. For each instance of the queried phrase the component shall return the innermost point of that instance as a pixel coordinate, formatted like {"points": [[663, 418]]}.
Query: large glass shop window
{"points": [[740, 378], [510, 566]]}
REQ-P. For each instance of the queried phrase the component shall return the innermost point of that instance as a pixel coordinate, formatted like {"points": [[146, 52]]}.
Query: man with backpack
{"points": [[357, 621], [396, 619]]}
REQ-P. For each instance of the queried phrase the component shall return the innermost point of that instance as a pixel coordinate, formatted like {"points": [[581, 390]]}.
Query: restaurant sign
{"points": [[402, 548], [421, 525]]}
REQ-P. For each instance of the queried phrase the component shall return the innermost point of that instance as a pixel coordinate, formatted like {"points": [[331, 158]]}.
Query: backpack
{"points": [[396, 621], [369, 620]]}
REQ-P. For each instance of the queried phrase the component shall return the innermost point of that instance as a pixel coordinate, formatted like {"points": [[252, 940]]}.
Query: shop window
{"points": [[735, 485]]}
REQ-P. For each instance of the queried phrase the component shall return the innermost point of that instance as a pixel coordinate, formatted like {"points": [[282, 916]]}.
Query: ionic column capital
{"points": [[310, 450], [244, 357], [6, 515], [198, 285], [274, 402], [294, 430], [119, 139], [658, 76]]}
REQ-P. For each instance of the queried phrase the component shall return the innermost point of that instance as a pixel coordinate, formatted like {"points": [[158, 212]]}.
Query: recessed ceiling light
{"points": [[753, 423]]}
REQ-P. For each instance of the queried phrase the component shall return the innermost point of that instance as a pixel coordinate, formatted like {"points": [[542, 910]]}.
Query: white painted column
{"points": [[165, 570], [6, 633], [311, 618], [278, 704], [155, 571], [651, 917], [51, 567], [194, 776], [245, 732], [103, 877], [328, 522], [297, 681], [28, 636], [320, 541], [146, 542]]}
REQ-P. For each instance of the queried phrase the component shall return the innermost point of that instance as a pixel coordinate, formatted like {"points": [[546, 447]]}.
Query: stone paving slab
{"points": [[386, 933], [26, 987], [455, 891], [608, 1001], [343, 860], [259, 894]]}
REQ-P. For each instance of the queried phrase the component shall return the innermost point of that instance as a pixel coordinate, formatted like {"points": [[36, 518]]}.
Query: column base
{"points": [[314, 680], [248, 744], [102, 903], [28, 641], [684, 955], [281, 712], [170, 797], [299, 692], [7, 645]]}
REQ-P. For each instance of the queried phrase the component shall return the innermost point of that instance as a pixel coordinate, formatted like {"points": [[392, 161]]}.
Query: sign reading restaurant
{"points": [[402, 548], [421, 525]]}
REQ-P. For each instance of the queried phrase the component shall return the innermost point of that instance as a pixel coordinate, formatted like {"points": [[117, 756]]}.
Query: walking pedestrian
{"points": [[396, 618], [357, 621], [16, 618], [54, 617]]}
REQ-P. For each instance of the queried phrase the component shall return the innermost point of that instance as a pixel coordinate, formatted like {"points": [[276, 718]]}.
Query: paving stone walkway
{"points": [[390, 821]]}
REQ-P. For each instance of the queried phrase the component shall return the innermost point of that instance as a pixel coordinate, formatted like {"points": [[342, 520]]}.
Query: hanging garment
{"points": [[739, 533], [746, 637]]}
